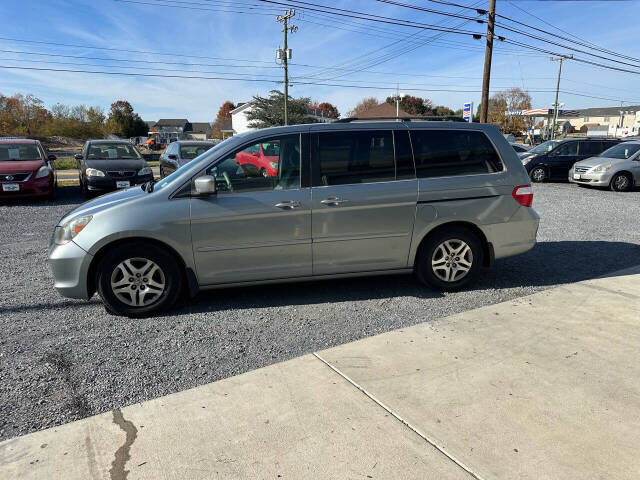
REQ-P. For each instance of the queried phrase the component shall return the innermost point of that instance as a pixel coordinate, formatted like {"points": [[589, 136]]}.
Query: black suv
{"points": [[553, 159], [107, 165]]}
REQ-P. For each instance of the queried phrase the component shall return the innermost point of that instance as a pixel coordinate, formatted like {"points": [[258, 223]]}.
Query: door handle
{"points": [[288, 204], [333, 201]]}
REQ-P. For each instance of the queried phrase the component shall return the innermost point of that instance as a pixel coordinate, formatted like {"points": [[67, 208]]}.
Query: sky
{"points": [[236, 40]]}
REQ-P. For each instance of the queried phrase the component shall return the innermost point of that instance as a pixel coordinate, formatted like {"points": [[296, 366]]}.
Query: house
{"points": [[170, 129], [240, 122], [197, 131], [617, 120], [383, 110]]}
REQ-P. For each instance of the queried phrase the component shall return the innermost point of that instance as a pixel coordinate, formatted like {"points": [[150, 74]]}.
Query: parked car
{"points": [[520, 147], [617, 168], [555, 163], [180, 153], [26, 170], [107, 165], [442, 199], [260, 159]]}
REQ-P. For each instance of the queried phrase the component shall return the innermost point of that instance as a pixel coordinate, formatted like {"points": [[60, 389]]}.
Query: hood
{"points": [[595, 161], [21, 166], [526, 155], [104, 202], [116, 164]]}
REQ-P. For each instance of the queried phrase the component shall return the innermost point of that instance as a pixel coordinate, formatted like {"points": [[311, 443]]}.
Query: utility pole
{"points": [[560, 59], [285, 55], [488, 52]]}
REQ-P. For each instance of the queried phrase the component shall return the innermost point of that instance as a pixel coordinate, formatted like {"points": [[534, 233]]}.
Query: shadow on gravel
{"points": [[548, 264], [64, 196]]}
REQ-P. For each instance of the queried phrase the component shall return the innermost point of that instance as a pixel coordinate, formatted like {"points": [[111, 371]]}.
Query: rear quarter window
{"points": [[447, 153]]}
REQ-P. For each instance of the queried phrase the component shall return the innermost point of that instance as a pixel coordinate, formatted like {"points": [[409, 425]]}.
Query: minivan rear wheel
{"points": [[138, 280], [450, 259]]}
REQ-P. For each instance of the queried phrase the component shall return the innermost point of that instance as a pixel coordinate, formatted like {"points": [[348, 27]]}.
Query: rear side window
{"points": [[446, 153], [354, 157], [591, 148]]}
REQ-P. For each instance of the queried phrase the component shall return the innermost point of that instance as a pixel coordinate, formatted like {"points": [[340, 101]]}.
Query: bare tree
{"points": [[364, 105]]}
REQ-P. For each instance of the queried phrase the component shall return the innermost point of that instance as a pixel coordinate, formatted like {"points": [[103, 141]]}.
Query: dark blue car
{"points": [[552, 160]]}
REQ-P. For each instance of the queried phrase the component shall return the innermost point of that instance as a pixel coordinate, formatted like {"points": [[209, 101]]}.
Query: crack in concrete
{"points": [[122, 455]]}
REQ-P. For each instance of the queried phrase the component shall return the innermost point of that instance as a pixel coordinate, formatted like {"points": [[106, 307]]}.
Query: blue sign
{"points": [[467, 111]]}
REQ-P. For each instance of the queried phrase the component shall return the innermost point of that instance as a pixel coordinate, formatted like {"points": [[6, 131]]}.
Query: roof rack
{"points": [[446, 118]]}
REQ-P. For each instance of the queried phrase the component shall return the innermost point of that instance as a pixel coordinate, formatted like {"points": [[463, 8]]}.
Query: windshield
{"points": [[544, 147], [108, 151], [621, 150], [189, 152], [19, 152]]}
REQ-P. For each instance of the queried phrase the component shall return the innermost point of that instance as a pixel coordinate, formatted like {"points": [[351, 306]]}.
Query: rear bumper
{"points": [[516, 236], [70, 267]]}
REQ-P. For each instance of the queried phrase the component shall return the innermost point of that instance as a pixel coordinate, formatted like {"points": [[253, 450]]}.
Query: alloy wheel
{"points": [[452, 260], [137, 282], [621, 182], [538, 175]]}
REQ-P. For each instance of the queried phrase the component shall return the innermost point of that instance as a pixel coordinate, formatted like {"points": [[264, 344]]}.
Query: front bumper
{"points": [[108, 184], [70, 267], [594, 179], [38, 187]]}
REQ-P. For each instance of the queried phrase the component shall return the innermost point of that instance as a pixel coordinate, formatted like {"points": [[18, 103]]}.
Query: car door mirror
{"points": [[51, 157], [205, 185], [78, 156]]}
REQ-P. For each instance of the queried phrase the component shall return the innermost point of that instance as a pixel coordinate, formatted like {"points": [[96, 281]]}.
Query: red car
{"points": [[264, 156], [26, 170]]}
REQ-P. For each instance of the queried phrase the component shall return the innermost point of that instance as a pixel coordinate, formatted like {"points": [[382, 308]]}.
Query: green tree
{"points": [[124, 121], [413, 105], [269, 111], [442, 111]]}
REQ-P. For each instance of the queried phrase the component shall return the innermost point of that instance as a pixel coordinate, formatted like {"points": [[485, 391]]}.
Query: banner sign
{"points": [[467, 111]]}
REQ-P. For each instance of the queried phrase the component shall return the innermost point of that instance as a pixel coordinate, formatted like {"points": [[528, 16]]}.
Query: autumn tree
{"points": [[224, 116], [326, 109], [442, 111], [364, 105], [124, 121], [269, 111], [501, 102]]}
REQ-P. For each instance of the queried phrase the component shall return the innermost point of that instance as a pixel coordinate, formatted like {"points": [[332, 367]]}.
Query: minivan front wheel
{"points": [[538, 174], [450, 259], [621, 182], [138, 280]]}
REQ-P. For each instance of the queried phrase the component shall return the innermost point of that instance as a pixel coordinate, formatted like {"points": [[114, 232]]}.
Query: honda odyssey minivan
{"points": [[442, 199]]}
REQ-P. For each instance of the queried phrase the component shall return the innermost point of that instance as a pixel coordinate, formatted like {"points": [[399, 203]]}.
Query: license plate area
{"points": [[123, 184], [576, 176], [10, 187]]}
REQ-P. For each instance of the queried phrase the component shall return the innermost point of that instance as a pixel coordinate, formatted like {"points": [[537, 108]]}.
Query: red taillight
{"points": [[523, 195]]}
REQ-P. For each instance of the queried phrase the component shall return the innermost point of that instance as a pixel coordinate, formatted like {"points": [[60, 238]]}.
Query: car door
{"points": [[588, 149], [254, 227], [363, 208], [561, 159]]}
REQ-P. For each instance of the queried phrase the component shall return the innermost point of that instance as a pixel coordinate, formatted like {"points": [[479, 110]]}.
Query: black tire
{"points": [[538, 174], [425, 271], [161, 301], [161, 173], [85, 191], [621, 182]]}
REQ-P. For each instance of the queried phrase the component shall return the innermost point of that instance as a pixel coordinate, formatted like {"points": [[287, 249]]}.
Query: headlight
{"points": [[601, 168], [274, 165], [145, 171], [69, 230], [94, 172], [43, 171], [525, 160]]}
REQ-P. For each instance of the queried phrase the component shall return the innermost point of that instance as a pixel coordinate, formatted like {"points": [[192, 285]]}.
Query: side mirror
{"points": [[173, 157], [205, 185], [78, 156], [51, 157], [254, 154]]}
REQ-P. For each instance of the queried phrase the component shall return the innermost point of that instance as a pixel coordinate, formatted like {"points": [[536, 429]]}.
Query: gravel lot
{"points": [[61, 359]]}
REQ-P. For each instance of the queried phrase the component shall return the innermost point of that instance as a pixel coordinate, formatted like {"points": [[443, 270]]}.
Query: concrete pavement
{"points": [[544, 387]]}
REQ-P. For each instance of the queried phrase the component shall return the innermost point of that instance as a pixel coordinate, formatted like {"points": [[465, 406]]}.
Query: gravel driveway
{"points": [[61, 359]]}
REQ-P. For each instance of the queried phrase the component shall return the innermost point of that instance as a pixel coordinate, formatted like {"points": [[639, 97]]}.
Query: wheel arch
{"points": [[487, 247], [627, 172], [189, 277]]}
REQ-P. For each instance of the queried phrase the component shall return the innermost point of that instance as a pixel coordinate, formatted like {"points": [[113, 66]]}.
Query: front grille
{"points": [[580, 169], [121, 173], [13, 177]]}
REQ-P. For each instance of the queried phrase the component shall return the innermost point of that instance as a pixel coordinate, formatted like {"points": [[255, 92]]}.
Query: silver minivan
{"points": [[617, 168], [442, 199]]}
